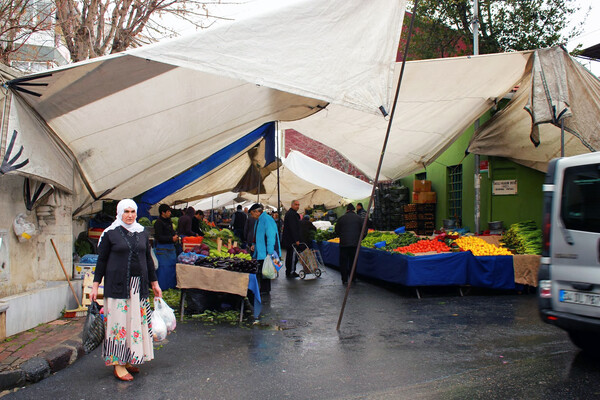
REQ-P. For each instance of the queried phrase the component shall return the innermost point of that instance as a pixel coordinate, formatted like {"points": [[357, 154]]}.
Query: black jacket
{"points": [[291, 228], [348, 228], [113, 255], [249, 229], [306, 227], [163, 231], [238, 221]]}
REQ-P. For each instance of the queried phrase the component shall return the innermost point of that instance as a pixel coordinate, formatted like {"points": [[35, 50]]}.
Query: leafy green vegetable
{"points": [[523, 238], [145, 221]]}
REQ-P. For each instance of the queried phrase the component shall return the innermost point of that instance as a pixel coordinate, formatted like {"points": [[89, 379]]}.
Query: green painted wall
{"points": [[525, 205]]}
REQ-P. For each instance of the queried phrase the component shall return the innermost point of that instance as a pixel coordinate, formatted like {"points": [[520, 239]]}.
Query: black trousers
{"points": [[263, 283], [346, 260], [290, 267]]}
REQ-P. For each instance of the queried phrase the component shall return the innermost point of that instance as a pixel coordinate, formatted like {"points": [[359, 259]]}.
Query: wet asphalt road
{"points": [[391, 346]]}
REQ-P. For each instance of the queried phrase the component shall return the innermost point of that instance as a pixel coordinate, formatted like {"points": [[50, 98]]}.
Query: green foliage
{"points": [[445, 27]]}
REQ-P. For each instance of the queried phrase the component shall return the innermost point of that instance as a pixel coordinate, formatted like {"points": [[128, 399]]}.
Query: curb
{"points": [[37, 368]]}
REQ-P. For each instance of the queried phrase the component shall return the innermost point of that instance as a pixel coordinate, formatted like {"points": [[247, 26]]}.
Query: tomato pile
{"points": [[424, 246]]}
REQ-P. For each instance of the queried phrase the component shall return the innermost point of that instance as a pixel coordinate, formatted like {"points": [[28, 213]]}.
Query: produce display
{"points": [[480, 247], [230, 264], [324, 235], [424, 246], [376, 237], [524, 238]]}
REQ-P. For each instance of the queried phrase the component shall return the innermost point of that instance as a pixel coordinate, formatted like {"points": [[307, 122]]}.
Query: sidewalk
{"points": [[33, 355]]}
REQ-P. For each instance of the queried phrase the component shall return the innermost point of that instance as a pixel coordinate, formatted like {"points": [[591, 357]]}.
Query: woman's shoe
{"points": [[132, 368], [127, 377]]}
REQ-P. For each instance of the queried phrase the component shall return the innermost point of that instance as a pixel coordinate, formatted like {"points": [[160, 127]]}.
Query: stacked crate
{"points": [[388, 213], [425, 219]]}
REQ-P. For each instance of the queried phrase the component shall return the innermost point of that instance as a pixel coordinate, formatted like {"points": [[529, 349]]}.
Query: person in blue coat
{"points": [[266, 241]]}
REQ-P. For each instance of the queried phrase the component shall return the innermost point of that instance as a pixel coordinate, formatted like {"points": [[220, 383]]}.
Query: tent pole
{"points": [[278, 165], [477, 174], [375, 181], [562, 137]]}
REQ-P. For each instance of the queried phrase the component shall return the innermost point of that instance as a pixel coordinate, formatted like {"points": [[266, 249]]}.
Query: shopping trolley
{"points": [[309, 259]]}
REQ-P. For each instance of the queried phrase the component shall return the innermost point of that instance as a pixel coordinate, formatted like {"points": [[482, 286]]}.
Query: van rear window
{"points": [[580, 202]]}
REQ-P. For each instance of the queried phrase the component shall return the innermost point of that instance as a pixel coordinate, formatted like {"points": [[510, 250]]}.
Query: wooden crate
{"points": [[88, 280]]}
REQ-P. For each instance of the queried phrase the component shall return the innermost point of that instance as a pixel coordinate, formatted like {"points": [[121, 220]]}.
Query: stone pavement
{"points": [[33, 355]]}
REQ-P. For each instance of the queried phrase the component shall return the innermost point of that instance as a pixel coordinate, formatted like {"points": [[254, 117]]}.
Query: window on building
{"points": [[455, 184]]}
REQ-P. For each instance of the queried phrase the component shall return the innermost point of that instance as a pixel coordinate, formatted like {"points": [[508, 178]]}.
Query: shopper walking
{"points": [[348, 228], [291, 237], [125, 263], [266, 242]]}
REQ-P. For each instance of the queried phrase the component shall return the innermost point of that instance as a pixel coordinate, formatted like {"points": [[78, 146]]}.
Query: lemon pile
{"points": [[480, 247]]}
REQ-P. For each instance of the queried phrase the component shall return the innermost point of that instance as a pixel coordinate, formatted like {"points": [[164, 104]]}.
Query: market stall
{"points": [[217, 280], [446, 269], [506, 262]]}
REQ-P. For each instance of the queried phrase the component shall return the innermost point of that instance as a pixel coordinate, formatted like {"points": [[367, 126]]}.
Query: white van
{"points": [[569, 275]]}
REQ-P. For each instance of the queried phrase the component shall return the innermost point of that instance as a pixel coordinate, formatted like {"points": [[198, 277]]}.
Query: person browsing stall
{"points": [[165, 238], [348, 228], [125, 263], [197, 223], [184, 226], [291, 237], [266, 242], [238, 222]]}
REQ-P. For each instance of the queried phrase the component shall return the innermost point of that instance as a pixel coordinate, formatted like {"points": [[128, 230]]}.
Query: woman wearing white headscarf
{"points": [[125, 263]]}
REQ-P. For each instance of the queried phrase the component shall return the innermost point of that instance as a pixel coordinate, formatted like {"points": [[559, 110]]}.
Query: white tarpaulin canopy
{"points": [[438, 100], [135, 119], [563, 89], [301, 178]]}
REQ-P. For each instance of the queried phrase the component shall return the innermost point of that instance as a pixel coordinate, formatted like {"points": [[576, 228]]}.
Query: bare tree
{"points": [[93, 28], [19, 21]]}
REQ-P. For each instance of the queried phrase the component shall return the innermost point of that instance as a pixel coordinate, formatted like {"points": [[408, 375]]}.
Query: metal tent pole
{"points": [[477, 175], [375, 181], [278, 187]]}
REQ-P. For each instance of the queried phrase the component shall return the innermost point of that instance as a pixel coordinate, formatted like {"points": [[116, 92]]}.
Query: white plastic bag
{"points": [[166, 313], [23, 228], [268, 269], [159, 328]]}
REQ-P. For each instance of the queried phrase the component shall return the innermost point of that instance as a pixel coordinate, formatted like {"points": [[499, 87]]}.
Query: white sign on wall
{"points": [[504, 187]]}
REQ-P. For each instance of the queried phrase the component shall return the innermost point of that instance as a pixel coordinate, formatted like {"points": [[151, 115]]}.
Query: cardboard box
{"points": [[423, 197], [80, 269], [422, 186]]}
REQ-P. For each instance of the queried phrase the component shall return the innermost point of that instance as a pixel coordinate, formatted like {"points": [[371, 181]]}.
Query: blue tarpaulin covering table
{"points": [[446, 269]]}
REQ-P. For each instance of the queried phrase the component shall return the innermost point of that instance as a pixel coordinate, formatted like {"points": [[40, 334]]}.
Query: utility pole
{"points": [[477, 177]]}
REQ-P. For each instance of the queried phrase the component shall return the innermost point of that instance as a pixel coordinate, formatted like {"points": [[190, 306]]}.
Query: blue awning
{"points": [[159, 192]]}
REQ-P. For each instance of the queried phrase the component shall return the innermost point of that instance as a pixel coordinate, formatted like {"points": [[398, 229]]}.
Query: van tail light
{"points": [[545, 289], [546, 224]]}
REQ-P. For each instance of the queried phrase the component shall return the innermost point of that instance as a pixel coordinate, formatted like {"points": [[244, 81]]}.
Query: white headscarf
{"points": [[135, 227]]}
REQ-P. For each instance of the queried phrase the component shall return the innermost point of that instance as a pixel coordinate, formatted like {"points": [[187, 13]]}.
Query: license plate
{"points": [[589, 299]]}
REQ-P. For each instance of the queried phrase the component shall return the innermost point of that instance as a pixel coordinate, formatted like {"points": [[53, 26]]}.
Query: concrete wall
{"points": [[32, 282], [34, 262]]}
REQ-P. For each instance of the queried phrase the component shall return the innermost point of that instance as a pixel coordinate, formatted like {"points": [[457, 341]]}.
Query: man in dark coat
{"points": [[196, 223], [307, 230], [291, 237], [238, 222], [348, 228], [184, 227]]}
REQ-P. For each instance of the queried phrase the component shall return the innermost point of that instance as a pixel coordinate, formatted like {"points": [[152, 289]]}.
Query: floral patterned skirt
{"points": [[128, 337]]}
